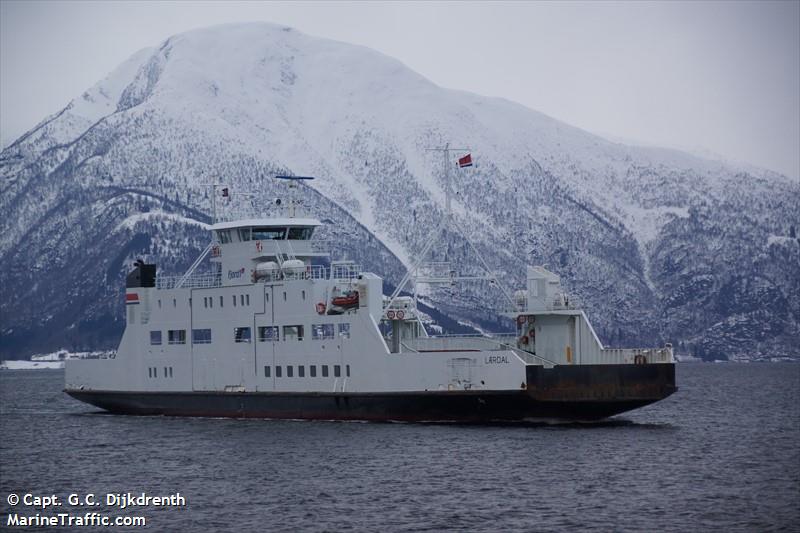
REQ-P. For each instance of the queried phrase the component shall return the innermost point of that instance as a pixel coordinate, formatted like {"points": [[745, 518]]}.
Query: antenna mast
{"points": [[413, 272]]}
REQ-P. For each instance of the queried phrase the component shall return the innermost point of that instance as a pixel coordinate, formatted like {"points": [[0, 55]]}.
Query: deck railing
{"points": [[345, 272], [194, 281], [635, 355], [508, 342]]}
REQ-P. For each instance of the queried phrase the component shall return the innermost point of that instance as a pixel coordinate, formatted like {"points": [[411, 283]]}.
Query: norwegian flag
{"points": [[465, 161]]}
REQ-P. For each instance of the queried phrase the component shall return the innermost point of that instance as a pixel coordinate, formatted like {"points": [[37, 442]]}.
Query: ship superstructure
{"points": [[278, 330]]}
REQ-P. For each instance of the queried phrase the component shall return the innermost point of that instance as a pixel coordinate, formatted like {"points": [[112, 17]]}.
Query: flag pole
{"points": [[447, 192], [213, 203]]}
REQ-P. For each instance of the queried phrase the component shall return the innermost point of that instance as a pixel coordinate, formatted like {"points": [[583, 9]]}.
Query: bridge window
{"points": [[322, 331], [176, 336], [241, 334], [201, 336], [244, 234], [268, 333], [155, 338], [268, 234], [224, 236], [293, 333], [300, 234]]}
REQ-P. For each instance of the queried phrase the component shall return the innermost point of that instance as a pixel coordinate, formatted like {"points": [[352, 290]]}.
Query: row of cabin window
{"points": [[265, 234], [265, 334], [301, 371], [244, 299], [152, 372]]}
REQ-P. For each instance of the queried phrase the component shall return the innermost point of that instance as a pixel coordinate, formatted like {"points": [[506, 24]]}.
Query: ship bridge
{"points": [[249, 248]]}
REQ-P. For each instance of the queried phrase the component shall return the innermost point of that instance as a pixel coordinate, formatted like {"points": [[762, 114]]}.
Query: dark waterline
{"points": [[721, 454]]}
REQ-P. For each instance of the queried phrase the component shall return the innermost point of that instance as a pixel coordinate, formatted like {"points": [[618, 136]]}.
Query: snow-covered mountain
{"points": [[660, 245]]}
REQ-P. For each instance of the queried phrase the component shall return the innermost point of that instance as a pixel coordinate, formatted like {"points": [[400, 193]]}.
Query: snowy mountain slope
{"points": [[661, 245]]}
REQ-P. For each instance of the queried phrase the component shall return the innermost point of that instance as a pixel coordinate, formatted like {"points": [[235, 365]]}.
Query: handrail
{"points": [[522, 354], [194, 281]]}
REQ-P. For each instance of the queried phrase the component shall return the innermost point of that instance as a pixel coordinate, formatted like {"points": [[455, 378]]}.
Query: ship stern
{"points": [[594, 392]]}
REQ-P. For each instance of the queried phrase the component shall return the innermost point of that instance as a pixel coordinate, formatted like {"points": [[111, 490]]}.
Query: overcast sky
{"points": [[722, 77]]}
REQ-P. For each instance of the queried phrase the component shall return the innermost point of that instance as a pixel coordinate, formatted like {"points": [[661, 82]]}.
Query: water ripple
{"points": [[722, 454]]}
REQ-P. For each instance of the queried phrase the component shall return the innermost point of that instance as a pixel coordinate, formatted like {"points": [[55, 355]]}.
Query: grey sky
{"points": [[717, 76]]}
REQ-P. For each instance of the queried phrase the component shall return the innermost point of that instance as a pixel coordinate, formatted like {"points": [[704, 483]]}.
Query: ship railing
{"points": [[473, 343], [194, 281], [528, 357], [559, 302], [345, 271], [467, 343], [318, 272], [308, 272], [234, 213], [562, 300], [628, 356]]}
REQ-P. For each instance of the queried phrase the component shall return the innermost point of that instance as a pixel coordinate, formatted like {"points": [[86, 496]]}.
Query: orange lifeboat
{"points": [[349, 299]]}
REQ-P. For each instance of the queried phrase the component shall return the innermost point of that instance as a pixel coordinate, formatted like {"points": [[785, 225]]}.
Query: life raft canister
{"points": [[321, 308], [523, 339]]}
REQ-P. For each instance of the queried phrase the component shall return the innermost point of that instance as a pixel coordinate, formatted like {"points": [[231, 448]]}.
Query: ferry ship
{"points": [[278, 330]]}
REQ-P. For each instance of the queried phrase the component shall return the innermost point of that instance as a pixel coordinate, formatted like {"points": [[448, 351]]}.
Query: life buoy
{"points": [[321, 308], [400, 315], [521, 319], [390, 315], [523, 339]]}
